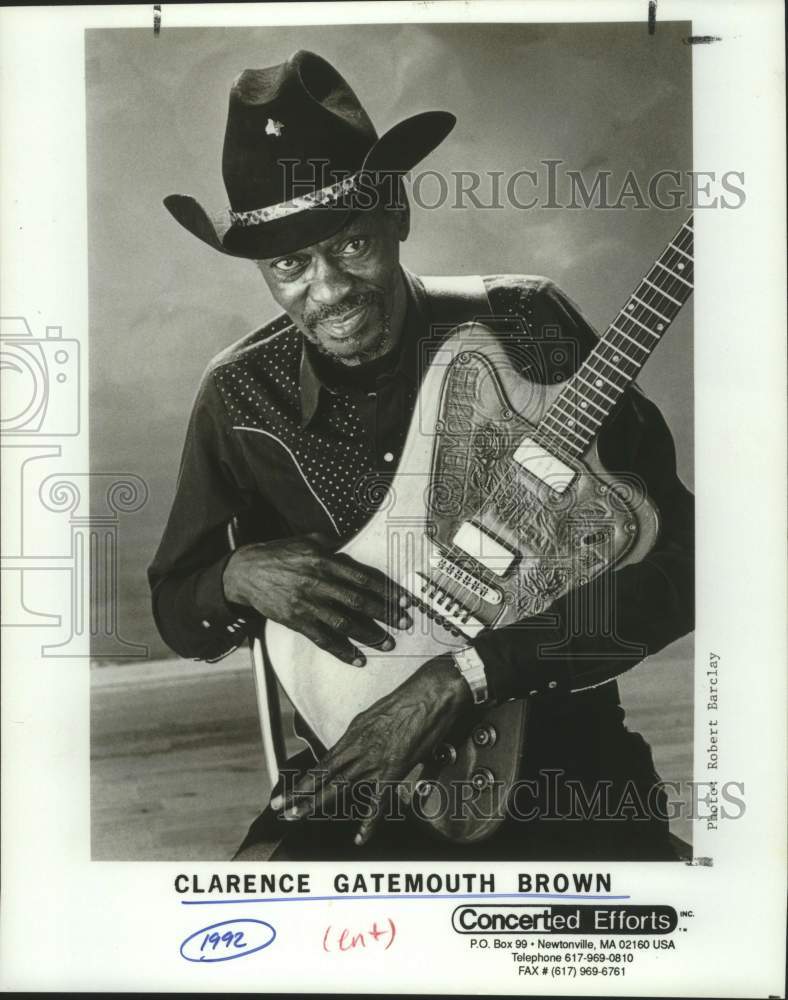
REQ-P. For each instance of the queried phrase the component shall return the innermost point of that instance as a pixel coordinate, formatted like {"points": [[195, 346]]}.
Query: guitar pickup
{"points": [[544, 465], [482, 547]]}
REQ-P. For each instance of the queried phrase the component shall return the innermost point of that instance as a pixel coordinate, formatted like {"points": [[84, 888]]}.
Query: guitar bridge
{"points": [[466, 579], [439, 605]]}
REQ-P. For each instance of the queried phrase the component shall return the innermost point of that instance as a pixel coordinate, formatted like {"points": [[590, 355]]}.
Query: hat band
{"points": [[324, 196]]}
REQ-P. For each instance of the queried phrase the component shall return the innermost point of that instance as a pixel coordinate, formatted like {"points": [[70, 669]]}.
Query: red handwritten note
{"points": [[379, 935]]}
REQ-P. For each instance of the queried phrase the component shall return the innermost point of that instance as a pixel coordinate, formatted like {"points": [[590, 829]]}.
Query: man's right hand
{"points": [[326, 596]]}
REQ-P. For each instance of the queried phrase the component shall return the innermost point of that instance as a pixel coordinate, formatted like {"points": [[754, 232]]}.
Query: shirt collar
{"points": [[310, 383]]}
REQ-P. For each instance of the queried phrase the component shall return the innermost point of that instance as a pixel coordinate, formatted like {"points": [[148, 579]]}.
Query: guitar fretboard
{"points": [[575, 417]]}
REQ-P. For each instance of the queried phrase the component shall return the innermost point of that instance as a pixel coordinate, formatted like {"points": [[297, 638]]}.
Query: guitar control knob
{"points": [[482, 778], [422, 788], [484, 736], [444, 753]]}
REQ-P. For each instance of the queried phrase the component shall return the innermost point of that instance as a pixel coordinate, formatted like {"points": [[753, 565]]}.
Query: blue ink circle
{"points": [[238, 951]]}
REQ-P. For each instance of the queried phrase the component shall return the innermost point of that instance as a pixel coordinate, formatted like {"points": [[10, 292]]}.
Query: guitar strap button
{"points": [[482, 778], [484, 736], [444, 753]]}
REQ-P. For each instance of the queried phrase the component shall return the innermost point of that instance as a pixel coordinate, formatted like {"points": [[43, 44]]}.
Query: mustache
{"points": [[339, 309]]}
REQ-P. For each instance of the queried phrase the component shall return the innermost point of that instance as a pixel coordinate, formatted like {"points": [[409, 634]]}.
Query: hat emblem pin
{"points": [[273, 127]]}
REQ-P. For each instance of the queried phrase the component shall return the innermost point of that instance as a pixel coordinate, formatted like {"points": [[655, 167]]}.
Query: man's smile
{"points": [[348, 324]]}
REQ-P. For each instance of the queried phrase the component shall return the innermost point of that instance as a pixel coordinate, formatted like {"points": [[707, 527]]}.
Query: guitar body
{"points": [[484, 526]]}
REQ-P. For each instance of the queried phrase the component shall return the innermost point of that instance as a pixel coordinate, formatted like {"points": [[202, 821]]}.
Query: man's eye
{"points": [[287, 264], [353, 247]]}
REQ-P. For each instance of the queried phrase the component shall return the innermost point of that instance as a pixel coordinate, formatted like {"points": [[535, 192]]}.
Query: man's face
{"points": [[345, 294]]}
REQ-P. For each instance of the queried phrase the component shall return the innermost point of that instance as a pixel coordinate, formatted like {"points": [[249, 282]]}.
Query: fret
{"points": [[561, 402], [643, 325], [585, 401], [661, 292], [568, 430], [629, 337], [682, 252], [569, 423], [593, 366], [620, 371], [678, 277], [582, 438], [595, 359], [647, 306], [542, 431], [596, 387]]}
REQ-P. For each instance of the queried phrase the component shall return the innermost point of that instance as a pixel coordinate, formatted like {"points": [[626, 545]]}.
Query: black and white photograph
{"points": [[443, 564]]}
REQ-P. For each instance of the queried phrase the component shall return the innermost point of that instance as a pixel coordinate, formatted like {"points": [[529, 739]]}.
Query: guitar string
{"points": [[609, 347], [611, 354], [679, 250], [682, 240], [610, 370], [560, 424], [564, 417]]}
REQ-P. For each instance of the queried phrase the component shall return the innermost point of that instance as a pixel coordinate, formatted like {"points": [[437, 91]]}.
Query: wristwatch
{"points": [[471, 666]]}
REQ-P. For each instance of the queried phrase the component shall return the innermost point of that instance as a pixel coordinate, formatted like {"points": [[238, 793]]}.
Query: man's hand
{"points": [[328, 597], [386, 741]]}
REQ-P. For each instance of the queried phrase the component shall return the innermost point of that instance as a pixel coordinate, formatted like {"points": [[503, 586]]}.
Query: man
{"points": [[292, 420]]}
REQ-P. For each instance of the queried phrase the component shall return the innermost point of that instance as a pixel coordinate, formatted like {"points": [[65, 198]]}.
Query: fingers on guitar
{"points": [[370, 607], [334, 643], [372, 581], [333, 618]]}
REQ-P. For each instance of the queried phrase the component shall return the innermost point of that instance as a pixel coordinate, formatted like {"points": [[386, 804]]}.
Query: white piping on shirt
{"points": [[256, 430], [276, 333]]}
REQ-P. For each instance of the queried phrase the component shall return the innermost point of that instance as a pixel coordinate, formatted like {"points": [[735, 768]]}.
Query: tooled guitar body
{"points": [[484, 527], [500, 505]]}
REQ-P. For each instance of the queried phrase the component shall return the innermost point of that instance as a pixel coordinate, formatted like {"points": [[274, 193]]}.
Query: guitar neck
{"points": [[575, 417]]}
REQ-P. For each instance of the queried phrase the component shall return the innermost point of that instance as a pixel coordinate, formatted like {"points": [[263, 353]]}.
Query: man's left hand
{"points": [[384, 742]]}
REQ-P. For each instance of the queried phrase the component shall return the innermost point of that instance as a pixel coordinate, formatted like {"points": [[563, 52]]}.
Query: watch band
{"points": [[471, 666]]}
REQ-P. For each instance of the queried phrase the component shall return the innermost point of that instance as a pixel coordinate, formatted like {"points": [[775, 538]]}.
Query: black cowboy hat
{"points": [[300, 157]]}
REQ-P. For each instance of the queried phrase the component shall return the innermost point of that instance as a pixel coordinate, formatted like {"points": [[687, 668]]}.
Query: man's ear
{"points": [[397, 206], [403, 217], [404, 223]]}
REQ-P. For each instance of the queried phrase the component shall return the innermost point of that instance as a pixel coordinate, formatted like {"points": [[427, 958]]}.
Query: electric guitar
{"points": [[499, 506]]}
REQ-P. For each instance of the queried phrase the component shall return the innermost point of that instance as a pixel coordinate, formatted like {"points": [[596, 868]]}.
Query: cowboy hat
{"points": [[300, 157]]}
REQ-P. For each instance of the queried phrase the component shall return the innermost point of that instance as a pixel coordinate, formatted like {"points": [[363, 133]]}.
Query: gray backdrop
{"points": [[162, 303]]}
